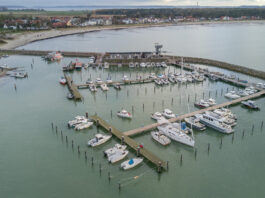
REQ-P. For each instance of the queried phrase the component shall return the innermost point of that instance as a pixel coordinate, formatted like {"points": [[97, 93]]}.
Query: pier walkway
{"points": [[179, 118], [130, 142], [72, 88]]}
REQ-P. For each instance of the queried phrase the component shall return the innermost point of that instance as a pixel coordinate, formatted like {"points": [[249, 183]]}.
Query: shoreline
{"points": [[21, 39]]}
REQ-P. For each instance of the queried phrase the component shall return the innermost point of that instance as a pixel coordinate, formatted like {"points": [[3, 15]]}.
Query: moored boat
{"points": [[168, 114], [159, 137], [83, 125], [124, 114], [112, 150], [250, 104], [62, 81], [98, 140], [131, 163], [194, 123], [117, 156]]}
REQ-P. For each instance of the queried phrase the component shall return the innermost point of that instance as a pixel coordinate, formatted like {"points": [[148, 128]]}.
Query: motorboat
{"points": [[214, 123], [159, 137], [98, 140], [152, 76], [250, 104], [242, 93], [201, 104], [89, 81], [213, 77], [225, 112], [112, 150], [92, 88], [78, 65], [77, 120], [131, 163], [124, 114], [136, 64], [70, 96], [165, 81], [211, 101], [158, 64], [157, 116], [91, 60], [19, 75], [175, 134], [171, 79], [131, 65], [163, 64], [224, 119], [99, 81], [109, 80], [142, 64], [168, 114], [125, 78], [158, 82], [117, 156], [117, 86], [153, 64], [148, 64], [194, 123], [104, 87], [106, 65], [232, 95], [62, 81], [83, 125]]}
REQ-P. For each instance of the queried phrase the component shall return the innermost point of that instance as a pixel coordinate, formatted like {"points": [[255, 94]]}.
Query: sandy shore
{"points": [[24, 38]]}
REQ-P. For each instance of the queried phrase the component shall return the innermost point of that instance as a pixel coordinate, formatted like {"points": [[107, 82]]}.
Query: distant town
{"points": [[27, 20]]}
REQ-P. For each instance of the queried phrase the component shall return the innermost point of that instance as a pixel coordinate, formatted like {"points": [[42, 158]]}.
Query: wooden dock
{"points": [[127, 82], [130, 142], [179, 118], [72, 88]]}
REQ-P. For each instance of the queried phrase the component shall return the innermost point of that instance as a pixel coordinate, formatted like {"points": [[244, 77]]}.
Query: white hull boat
{"points": [[124, 114], [104, 87], [131, 163], [98, 140], [159, 137], [168, 114], [157, 116], [119, 155], [113, 150], [84, 125]]}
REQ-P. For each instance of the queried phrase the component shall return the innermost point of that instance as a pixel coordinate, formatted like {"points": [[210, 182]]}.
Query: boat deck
{"points": [[72, 88], [179, 118], [130, 142]]}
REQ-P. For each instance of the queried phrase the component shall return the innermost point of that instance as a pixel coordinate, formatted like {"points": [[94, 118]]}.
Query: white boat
{"points": [[224, 119], [225, 112], [211, 101], [136, 64], [92, 87], [125, 78], [148, 64], [215, 124], [194, 123], [89, 81], [201, 104], [163, 64], [77, 120], [106, 65], [124, 114], [159, 137], [171, 79], [158, 64], [152, 76], [131, 65], [157, 116], [153, 64], [158, 82], [232, 95], [98, 140], [242, 93], [168, 114], [175, 134], [104, 87], [131, 163], [99, 81], [62, 81], [109, 81], [83, 125], [112, 150], [119, 155], [117, 86], [142, 65], [182, 127]]}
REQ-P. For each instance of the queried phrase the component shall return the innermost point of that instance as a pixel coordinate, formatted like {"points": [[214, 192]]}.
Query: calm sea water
{"points": [[37, 162], [241, 44]]}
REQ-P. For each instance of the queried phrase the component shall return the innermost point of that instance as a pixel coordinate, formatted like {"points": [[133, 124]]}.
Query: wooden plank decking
{"points": [[179, 118], [72, 88], [130, 142]]}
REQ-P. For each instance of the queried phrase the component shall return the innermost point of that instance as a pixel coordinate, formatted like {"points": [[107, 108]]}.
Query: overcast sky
{"points": [[132, 2]]}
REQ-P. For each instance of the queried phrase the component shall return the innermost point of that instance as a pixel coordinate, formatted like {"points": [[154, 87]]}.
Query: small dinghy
{"points": [[98, 140], [70, 96], [83, 125], [124, 114], [131, 163], [159, 137], [117, 156], [62, 81], [112, 150]]}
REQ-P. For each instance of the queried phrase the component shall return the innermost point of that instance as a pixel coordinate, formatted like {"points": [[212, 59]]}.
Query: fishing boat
{"points": [[70, 96], [77, 120], [104, 87], [83, 125], [242, 93], [214, 123], [98, 140], [168, 114], [124, 114], [157, 116], [175, 134], [112, 150], [117, 86], [131, 163], [62, 81], [91, 60], [201, 104], [250, 104], [159, 137], [117, 156], [78, 65], [131, 65], [232, 95], [194, 123]]}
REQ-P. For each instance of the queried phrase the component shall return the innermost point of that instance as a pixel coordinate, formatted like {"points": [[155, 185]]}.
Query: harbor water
{"points": [[38, 162]]}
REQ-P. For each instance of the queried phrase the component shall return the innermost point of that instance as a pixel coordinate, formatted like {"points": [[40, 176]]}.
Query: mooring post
{"points": [[109, 176], [66, 139], [110, 130], [92, 161], [122, 140], [111, 113], [159, 167], [221, 91], [227, 90], [52, 126], [56, 129], [85, 155], [72, 143], [208, 148], [119, 187], [252, 127], [203, 95], [172, 100], [86, 114], [143, 106], [243, 133], [138, 151], [189, 98], [163, 103], [221, 143], [78, 149], [97, 123], [233, 138], [100, 168], [181, 159], [167, 165], [15, 86], [195, 153], [261, 124], [195, 96]]}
